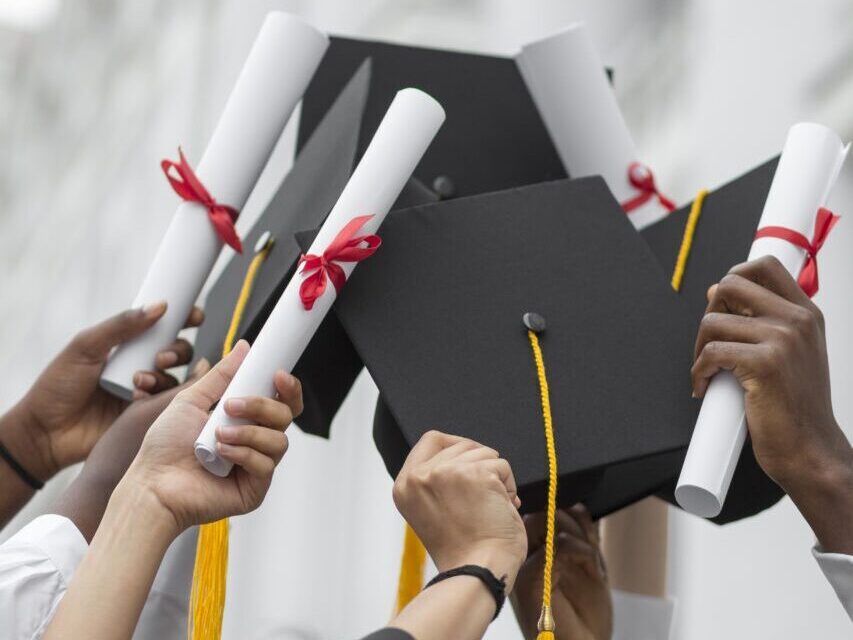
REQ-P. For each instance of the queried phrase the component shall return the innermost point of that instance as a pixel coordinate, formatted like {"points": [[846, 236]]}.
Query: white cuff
{"points": [[57, 538], [838, 569]]}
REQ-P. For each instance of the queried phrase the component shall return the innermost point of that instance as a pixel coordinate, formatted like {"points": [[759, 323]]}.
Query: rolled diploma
{"points": [[403, 136], [283, 58], [566, 78], [807, 170]]}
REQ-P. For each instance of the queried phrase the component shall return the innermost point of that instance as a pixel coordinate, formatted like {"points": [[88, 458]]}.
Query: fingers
{"points": [[431, 443], [150, 382], [254, 462], [96, 342], [177, 354], [270, 443], [534, 524], [769, 273], [744, 360], [262, 411], [735, 294], [503, 470], [726, 327], [289, 390], [209, 389], [195, 318]]}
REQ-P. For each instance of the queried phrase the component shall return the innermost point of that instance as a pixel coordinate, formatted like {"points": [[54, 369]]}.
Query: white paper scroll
{"points": [[403, 136], [568, 83], [283, 58], [808, 168]]}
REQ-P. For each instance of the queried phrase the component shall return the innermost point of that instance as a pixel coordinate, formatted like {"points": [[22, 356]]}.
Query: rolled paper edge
{"points": [[210, 460]]}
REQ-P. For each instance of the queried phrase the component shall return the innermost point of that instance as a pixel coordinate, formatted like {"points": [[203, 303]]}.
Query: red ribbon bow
{"points": [[344, 248], [823, 224], [189, 187], [642, 179]]}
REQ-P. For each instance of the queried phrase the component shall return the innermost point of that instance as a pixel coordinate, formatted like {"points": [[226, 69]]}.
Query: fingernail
{"points": [[693, 395], [168, 358], [235, 406], [138, 395], [223, 449], [288, 377], [154, 308], [227, 432], [144, 380]]}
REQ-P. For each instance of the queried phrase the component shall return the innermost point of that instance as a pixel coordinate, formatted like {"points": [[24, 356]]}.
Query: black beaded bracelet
{"points": [[23, 474], [495, 586]]}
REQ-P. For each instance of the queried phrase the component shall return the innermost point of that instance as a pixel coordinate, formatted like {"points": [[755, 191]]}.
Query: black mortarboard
{"points": [[493, 138], [302, 202], [436, 316], [722, 238]]}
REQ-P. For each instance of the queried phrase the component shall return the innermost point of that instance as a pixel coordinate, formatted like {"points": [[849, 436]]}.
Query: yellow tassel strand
{"points": [[412, 565], [687, 239], [207, 596], [546, 620]]}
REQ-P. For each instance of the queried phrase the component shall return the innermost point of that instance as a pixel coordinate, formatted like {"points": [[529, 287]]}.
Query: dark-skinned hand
{"points": [[580, 596], [762, 327], [65, 412]]}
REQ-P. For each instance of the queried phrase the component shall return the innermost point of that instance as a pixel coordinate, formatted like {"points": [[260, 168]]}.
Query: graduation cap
{"points": [[722, 238], [302, 201], [493, 138], [438, 317]]}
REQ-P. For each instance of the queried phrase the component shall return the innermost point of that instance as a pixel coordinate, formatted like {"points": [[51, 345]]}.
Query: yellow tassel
{"points": [[207, 596], [412, 565], [546, 619], [687, 239]]}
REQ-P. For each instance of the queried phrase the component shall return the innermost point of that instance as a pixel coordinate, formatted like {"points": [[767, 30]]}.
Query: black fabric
{"points": [[389, 633], [436, 316], [493, 137], [722, 239]]}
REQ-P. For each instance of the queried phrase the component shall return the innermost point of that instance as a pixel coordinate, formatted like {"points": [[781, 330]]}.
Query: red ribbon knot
{"points": [[346, 247], [823, 224], [642, 179], [189, 187]]}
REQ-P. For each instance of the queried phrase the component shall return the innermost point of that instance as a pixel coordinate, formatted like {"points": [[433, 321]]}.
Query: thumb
{"points": [[209, 389], [96, 341]]}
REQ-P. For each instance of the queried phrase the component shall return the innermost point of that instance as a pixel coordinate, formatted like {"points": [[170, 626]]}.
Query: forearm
{"points": [[823, 492], [21, 441], [459, 608], [108, 591]]}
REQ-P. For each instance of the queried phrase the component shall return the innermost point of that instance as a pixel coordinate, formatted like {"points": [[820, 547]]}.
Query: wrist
{"points": [[496, 557], [26, 441], [823, 492], [136, 500]]}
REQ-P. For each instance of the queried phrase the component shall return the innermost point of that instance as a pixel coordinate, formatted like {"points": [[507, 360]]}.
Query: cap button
{"points": [[443, 187], [263, 242], [534, 322]]}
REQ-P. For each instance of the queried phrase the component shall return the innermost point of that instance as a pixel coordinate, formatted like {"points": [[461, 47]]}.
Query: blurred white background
{"points": [[93, 93]]}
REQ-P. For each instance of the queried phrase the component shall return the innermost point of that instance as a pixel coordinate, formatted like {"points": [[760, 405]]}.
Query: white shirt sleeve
{"points": [[36, 565], [637, 617], [838, 569]]}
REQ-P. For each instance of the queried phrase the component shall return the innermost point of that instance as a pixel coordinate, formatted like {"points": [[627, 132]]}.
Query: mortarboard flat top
{"points": [[493, 138], [722, 239], [436, 316]]}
